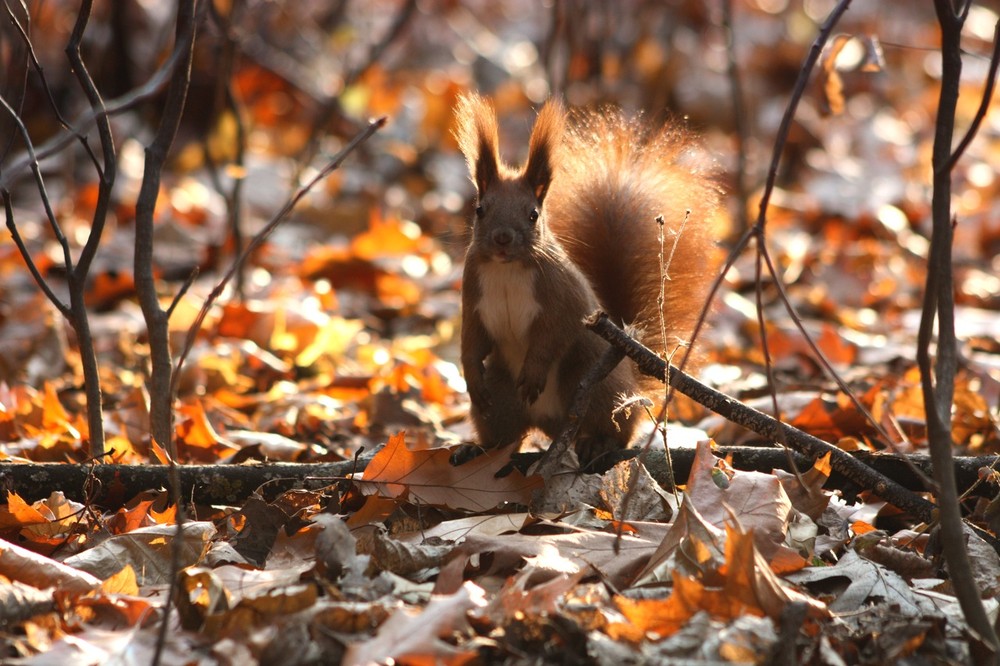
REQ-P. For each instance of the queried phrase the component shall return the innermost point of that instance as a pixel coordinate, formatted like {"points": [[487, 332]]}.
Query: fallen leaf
{"points": [[21, 564], [147, 550], [428, 477], [415, 636]]}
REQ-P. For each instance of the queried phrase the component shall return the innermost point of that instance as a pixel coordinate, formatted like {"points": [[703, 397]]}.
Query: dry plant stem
{"points": [[40, 72], [330, 107], [16, 67], [227, 98], [29, 160], [939, 384], [758, 231], [766, 426], [261, 236], [660, 300], [766, 349], [107, 171], [739, 117]]}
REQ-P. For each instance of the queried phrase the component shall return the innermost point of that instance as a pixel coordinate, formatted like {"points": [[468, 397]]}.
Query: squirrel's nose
{"points": [[502, 237]]}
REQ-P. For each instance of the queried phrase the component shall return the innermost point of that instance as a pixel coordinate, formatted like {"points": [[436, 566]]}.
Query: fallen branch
{"points": [[113, 485], [652, 365]]}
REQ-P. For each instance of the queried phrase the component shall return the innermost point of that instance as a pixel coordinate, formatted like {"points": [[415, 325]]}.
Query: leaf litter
{"points": [[345, 341]]}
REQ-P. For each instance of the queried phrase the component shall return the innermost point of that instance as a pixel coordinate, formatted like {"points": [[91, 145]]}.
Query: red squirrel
{"points": [[572, 231]]}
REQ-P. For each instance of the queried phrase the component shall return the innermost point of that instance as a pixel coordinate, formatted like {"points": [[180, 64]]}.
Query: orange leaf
{"points": [[123, 582], [54, 415], [386, 237], [836, 349], [861, 527], [127, 520], [196, 430], [19, 513]]}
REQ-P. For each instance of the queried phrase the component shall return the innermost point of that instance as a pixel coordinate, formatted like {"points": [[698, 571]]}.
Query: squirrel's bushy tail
{"points": [[615, 175]]}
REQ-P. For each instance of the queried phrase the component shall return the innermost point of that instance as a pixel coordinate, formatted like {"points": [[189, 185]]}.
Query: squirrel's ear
{"points": [[478, 138], [545, 139]]}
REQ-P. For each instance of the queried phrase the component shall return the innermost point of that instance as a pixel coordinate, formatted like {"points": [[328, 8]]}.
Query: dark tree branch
{"points": [[15, 77], [76, 311], [30, 159], [29, 261], [40, 72]]}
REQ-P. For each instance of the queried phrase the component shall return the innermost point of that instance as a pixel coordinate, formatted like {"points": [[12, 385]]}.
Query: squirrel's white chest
{"points": [[507, 305]]}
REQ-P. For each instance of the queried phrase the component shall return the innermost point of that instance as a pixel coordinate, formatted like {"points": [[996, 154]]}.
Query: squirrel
{"points": [[573, 231]]}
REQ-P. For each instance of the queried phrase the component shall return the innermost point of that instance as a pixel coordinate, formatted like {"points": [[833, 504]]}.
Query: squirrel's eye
{"points": [[479, 210], [534, 214]]}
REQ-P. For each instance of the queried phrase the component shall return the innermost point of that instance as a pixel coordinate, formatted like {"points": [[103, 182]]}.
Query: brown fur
{"points": [[573, 231]]}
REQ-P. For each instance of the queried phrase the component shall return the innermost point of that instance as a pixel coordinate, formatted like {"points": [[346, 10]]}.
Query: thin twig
{"points": [[331, 105], [29, 261], [739, 115], [40, 72], [984, 104], [261, 236], [160, 404], [30, 159]]}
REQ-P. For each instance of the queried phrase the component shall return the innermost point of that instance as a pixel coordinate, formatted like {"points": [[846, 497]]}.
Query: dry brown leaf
{"points": [[805, 491], [414, 636], [427, 477], [757, 499], [747, 586], [147, 549], [702, 549], [21, 564], [480, 525], [123, 582], [617, 560], [20, 601]]}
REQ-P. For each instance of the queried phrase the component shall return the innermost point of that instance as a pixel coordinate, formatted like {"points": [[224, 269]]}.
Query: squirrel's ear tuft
{"points": [[545, 139], [478, 138]]}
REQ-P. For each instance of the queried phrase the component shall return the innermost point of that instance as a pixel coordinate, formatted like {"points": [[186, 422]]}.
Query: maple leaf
{"points": [[748, 586]]}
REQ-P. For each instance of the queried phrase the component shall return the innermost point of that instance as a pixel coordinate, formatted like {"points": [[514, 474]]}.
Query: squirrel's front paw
{"points": [[481, 397], [529, 388]]}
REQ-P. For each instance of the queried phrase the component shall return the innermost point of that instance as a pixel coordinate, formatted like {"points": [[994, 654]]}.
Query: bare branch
{"points": [[110, 166], [28, 260], [118, 105]]}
